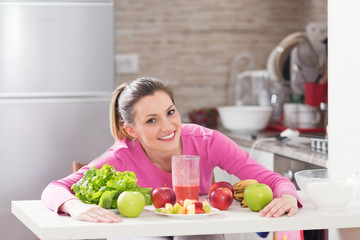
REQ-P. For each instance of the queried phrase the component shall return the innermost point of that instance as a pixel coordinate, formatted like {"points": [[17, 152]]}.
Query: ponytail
{"points": [[116, 120]]}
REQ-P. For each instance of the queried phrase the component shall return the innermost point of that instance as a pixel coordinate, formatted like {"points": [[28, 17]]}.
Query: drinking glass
{"points": [[185, 176]]}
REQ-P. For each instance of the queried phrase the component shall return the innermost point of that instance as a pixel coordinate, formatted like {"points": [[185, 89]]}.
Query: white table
{"points": [[48, 225]]}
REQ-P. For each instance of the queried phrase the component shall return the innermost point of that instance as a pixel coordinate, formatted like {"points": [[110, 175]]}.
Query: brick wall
{"points": [[191, 43]]}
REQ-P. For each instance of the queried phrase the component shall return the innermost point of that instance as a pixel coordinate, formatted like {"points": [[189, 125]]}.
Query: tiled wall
{"points": [[191, 43]]}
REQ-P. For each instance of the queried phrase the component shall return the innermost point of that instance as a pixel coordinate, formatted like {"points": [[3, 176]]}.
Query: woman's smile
{"points": [[168, 137]]}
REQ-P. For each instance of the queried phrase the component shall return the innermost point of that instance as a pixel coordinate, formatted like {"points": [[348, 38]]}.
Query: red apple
{"points": [[221, 198], [163, 195], [221, 184]]}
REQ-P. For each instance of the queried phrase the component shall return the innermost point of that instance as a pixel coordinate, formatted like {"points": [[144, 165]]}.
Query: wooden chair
{"points": [[76, 166]]}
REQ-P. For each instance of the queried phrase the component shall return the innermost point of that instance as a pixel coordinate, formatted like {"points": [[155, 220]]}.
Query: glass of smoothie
{"points": [[186, 176]]}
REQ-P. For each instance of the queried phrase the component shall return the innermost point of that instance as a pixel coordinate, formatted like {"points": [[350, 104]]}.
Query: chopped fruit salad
{"points": [[187, 206]]}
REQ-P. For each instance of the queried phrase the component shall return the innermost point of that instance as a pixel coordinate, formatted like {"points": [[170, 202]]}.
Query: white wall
{"points": [[344, 93], [344, 85]]}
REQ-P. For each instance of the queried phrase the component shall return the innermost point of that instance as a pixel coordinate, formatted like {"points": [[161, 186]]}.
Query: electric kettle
{"points": [[252, 88]]}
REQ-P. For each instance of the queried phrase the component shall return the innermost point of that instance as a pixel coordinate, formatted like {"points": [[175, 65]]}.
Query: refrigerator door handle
{"points": [[53, 100], [30, 95]]}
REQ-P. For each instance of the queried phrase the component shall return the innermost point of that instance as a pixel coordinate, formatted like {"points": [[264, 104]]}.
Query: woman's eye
{"points": [[151, 120], [171, 112]]}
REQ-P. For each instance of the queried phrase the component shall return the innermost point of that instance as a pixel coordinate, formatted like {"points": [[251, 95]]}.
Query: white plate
{"points": [[213, 211]]}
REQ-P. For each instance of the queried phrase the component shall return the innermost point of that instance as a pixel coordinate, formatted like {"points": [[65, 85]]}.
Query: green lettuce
{"points": [[103, 186]]}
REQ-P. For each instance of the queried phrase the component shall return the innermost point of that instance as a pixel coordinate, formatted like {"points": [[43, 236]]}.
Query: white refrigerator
{"points": [[56, 79]]}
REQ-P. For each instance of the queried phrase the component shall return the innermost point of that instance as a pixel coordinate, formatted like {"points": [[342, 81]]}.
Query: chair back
{"points": [[76, 166]]}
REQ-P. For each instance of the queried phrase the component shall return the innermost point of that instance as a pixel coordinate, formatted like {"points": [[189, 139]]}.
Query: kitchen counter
{"points": [[297, 149], [48, 225]]}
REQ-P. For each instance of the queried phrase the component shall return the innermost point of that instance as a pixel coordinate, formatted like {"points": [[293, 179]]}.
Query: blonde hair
{"points": [[124, 99]]}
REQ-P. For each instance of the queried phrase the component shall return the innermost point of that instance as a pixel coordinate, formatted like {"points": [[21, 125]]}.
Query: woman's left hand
{"points": [[278, 206]]}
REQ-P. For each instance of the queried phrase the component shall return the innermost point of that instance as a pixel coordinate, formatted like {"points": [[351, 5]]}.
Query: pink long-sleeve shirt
{"points": [[214, 149]]}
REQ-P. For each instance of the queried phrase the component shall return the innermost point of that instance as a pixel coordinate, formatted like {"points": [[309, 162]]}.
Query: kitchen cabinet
{"points": [[263, 157]]}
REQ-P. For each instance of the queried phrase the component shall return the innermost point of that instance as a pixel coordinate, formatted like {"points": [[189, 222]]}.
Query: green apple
{"points": [[257, 196], [131, 203]]}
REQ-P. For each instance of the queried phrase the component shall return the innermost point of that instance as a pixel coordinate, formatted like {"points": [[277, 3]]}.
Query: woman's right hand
{"points": [[88, 212]]}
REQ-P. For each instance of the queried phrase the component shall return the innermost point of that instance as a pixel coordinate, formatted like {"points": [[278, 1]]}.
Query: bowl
{"points": [[245, 119], [324, 191]]}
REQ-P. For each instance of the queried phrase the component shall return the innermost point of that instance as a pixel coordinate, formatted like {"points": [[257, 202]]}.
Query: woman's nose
{"points": [[166, 124]]}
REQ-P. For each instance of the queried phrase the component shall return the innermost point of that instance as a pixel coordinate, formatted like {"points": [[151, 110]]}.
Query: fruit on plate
{"points": [[221, 198], [221, 184], [239, 188], [163, 195], [206, 207], [257, 196], [131, 203], [187, 206]]}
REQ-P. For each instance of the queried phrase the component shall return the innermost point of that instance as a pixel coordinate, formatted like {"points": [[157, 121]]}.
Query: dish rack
{"points": [[319, 144]]}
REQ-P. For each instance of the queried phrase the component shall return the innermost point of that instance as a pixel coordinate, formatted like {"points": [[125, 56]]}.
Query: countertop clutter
{"points": [[299, 148]]}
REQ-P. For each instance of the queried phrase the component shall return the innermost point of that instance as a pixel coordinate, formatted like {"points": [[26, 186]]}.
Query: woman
{"points": [[148, 131]]}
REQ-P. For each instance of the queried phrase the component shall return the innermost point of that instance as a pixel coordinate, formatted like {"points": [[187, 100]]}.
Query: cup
{"points": [[315, 94], [300, 115], [186, 176]]}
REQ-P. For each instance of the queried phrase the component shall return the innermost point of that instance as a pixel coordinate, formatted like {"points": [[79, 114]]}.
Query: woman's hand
{"points": [[88, 212], [278, 206]]}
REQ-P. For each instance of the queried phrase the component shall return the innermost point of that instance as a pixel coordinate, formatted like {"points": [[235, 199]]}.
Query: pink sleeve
{"points": [[230, 157], [58, 192]]}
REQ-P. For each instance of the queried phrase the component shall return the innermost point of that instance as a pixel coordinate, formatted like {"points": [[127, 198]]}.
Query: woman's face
{"points": [[157, 123]]}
